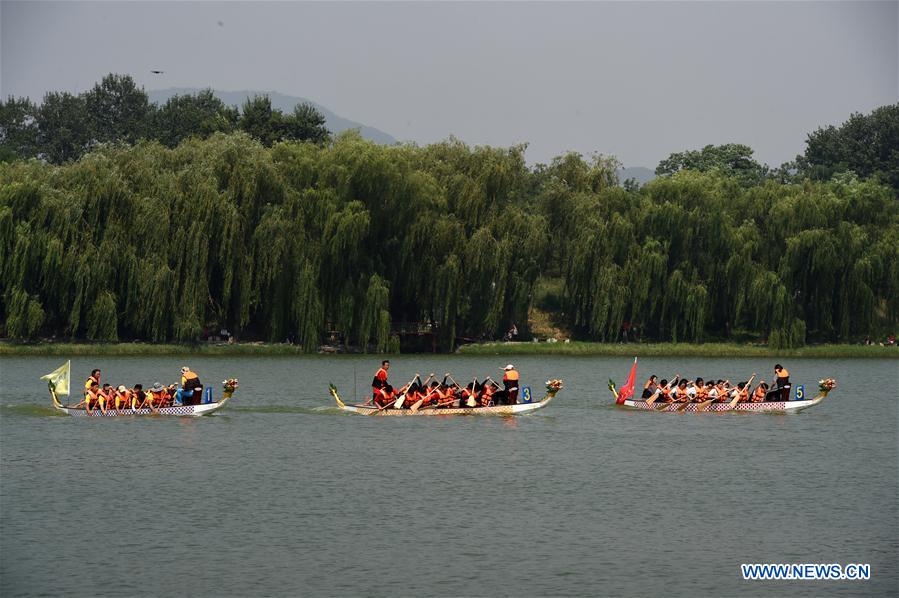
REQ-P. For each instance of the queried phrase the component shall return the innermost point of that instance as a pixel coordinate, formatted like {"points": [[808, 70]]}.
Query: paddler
{"points": [[138, 395], [680, 393], [155, 398], [105, 397], [92, 395], [122, 397], [510, 381], [489, 393], [379, 392], [700, 394], [650, 387], [758, 395]]}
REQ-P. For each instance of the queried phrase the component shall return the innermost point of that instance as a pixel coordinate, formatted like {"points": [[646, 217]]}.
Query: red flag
{"points": [[627, 391]]}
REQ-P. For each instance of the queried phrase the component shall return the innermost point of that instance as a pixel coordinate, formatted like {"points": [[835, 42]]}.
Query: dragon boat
{"points": [[763, 407], [800, 402], [58, 383], [527, 405]]}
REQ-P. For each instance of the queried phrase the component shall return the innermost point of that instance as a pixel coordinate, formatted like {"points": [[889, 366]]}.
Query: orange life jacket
{"points": [[124, 397]]}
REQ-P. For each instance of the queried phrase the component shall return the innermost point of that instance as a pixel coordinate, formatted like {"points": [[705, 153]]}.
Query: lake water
{"points": [[282, 495]]}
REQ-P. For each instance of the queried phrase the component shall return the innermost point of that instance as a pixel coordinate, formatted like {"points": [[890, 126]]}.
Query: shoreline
{"points": [[9, 349], [678, 350], [45, 349]]}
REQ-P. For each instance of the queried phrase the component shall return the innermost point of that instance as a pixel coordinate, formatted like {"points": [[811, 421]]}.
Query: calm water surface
{"points": [[280, 494]]}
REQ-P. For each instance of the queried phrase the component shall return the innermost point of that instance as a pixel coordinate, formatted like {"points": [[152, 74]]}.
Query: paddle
{"points": [[471, 401], [683, 406], [736, 398], [398, 404], [418, 403], [657, 393], [439, 403], [704, 405]]}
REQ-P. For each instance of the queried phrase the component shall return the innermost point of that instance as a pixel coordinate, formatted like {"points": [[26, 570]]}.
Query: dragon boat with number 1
{"points": [[526, 406], [58, 383], [624, 398]]}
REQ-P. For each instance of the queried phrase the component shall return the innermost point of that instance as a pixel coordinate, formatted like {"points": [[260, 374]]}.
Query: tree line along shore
{"points": [[317, 240], [575, 348]]}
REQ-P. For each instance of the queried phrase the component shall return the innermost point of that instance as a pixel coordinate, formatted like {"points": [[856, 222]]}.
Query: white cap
{"points": [[122, 388], [509, 367], [185, 369]]}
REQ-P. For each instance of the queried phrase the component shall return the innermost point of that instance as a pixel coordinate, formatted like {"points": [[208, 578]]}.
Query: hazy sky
{"points": [[638, 80]]}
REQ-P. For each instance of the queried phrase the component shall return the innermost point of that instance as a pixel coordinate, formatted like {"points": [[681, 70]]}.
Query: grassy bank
{"points": [[145, 349], [676, 350]]}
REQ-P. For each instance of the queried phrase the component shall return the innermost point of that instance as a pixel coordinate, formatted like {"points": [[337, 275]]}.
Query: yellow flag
{"points": [[59, 378]]}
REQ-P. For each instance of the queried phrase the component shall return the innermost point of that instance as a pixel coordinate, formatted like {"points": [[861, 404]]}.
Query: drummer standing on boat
{"points": [[379, 382], [510, 381], [781, 390]]}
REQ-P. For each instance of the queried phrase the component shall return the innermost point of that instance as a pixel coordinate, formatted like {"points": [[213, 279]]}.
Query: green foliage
{"points": [[102, 319], [270, 125], [63, 129], [18, 128], [284, 243], [732, 159], [115, 110], [184, 116], [867, 145], [25, 315]]}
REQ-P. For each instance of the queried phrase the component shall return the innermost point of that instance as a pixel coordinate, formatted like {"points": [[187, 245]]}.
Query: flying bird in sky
{"points": [[157, 72]]}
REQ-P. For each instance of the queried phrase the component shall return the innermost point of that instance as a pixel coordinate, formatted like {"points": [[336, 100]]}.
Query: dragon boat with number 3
{"points": [[798, 404], [526, 406], [58, 383]]}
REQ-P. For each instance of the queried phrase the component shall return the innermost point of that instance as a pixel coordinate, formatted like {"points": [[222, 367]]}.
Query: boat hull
{"points": [[765, 407], [177, 411], [517, 409]]}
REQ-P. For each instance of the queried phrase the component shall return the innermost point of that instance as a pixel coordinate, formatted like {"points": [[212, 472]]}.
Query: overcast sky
{"points": [[637, 80]]}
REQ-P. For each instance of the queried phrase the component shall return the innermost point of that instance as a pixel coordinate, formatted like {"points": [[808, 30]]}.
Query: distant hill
{"points": [[285, 103], [640, 174]]}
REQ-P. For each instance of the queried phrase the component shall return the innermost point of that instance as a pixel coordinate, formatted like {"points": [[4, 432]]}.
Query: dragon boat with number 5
{"points": [[799, 403], [58, 383], [527, 405]]}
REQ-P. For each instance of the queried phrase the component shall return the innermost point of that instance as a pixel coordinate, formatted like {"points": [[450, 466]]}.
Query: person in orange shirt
{"points": [[510, 382], [379, 387], [781, 390]]}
